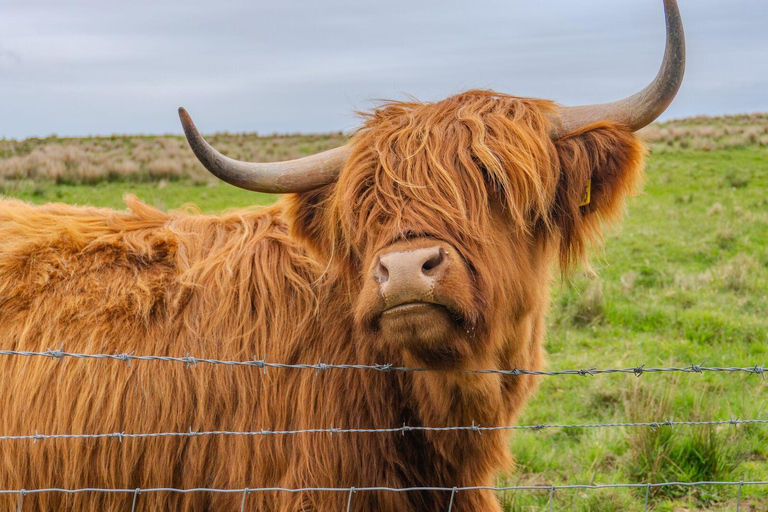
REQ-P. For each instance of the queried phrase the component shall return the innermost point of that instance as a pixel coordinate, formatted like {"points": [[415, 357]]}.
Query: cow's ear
{"points": [[600, 166], [309, 219]]}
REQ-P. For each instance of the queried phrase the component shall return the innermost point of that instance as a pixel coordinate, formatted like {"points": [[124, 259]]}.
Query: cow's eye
{"points": [[410, 235]]}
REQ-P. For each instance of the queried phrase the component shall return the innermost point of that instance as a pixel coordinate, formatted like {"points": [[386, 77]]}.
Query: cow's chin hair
{"points": [[433, 336]]}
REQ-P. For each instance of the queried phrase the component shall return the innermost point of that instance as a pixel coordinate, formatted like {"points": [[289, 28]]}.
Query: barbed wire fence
{"points": [[352, 490], [120, 436], [262, 364], [189, 361]]}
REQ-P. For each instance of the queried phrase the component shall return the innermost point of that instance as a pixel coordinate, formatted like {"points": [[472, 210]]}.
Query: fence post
{"points": [[738, 500], [647, 492], [450, 503], [551, 497], [349, 500], [242, 503], [135, 498], [22, 493]]}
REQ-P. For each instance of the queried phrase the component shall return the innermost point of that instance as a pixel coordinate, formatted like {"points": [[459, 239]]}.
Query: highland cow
{"points": [[427, 241]]}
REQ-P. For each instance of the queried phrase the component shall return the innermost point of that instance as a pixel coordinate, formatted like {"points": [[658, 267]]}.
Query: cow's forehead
{"points": [[452, 170], [445, 163]]}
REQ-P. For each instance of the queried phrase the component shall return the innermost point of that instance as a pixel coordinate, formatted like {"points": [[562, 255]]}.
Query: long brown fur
{"points": [[285, 283]]}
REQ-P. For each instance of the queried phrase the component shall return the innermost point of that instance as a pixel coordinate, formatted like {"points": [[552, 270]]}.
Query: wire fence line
{"points": [[353, 490], [191, 361], [249, 490], [120, 436], [262, 364]]}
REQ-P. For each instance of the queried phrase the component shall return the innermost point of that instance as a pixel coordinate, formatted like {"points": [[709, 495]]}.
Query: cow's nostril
{"points": [[381, 272], [433, 262]]}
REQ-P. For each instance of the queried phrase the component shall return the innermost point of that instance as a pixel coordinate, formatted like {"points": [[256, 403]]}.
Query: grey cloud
{"points": [[102, 67], [9, 57]]}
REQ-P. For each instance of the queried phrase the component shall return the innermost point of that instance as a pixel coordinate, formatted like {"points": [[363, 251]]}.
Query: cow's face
{"points": [[446, 217], [442, 204]]}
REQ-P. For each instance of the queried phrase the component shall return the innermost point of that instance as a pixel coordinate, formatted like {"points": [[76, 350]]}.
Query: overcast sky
{"points": [[77, 67]]}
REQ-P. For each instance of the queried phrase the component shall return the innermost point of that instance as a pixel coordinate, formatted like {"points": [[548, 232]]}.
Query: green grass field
{"points": [[683, 280]]}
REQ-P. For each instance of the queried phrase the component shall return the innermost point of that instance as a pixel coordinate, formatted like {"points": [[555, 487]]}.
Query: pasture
{"points": [[683, 280]]}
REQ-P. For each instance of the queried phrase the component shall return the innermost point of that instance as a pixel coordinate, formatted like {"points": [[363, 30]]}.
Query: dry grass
{"points": [[739, 274], [708, 133], [154, 158], [590, 305], [140, 158]]}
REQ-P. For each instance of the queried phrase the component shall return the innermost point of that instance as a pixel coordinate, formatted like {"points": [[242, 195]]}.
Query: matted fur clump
{"points": [[477, 171]]}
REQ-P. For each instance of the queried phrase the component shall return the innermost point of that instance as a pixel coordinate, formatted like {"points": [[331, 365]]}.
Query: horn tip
{"points": [[186, 122]]}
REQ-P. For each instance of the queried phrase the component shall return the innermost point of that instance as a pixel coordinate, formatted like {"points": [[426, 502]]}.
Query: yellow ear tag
{"points": [[587, 197]]}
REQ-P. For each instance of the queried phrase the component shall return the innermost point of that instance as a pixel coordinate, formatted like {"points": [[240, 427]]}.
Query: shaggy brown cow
{"points": [[427, 241]]}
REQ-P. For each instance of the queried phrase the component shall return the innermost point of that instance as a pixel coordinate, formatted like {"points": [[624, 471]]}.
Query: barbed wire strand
{"points": [[191, 361], [347, 490], [120, 436]]}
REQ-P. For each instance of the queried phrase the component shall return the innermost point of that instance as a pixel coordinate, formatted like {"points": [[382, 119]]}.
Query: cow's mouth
{"points": [[410, 308], [418, 311], [435, 334]]}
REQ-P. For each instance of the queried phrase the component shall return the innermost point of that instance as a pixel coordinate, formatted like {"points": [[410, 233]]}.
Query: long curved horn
{"points": [[644, 107], [298, 175]]}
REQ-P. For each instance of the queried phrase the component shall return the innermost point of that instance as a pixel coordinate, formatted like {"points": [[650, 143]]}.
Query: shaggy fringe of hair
{"points": [[441, 162], [440, 167]]}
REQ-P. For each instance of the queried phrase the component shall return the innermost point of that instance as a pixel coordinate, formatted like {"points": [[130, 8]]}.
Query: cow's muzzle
{"points": [[407, 277], [419, 295]]}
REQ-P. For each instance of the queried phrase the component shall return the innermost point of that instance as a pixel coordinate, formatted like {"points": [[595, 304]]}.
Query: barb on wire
{"points": [[191, 362], [653, 425]]}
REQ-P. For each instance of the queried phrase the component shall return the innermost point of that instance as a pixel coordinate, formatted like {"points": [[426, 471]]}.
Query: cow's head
{"points": [[446, 215]]}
